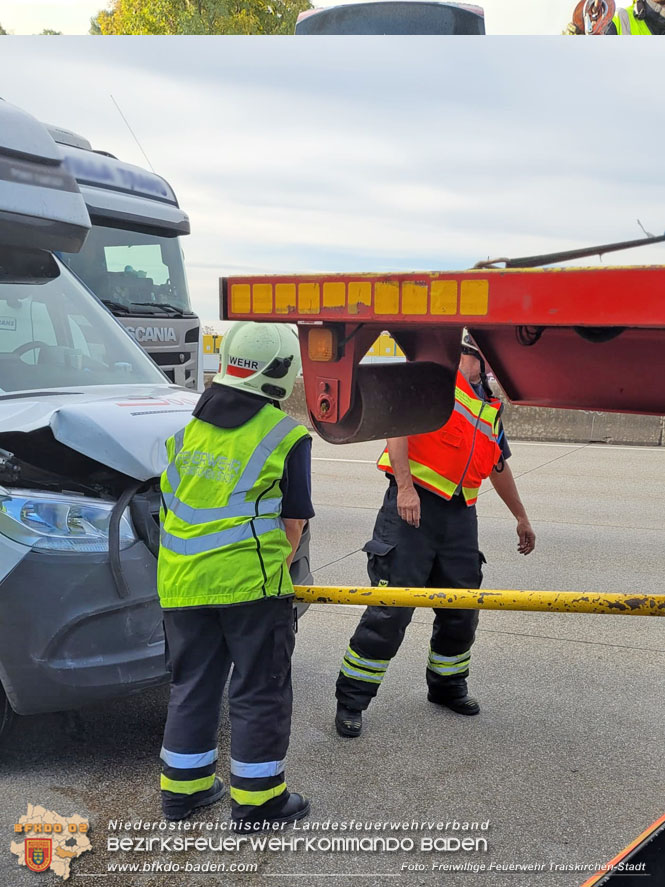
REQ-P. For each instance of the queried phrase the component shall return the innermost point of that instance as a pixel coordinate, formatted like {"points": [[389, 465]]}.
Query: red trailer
{"points": [[578, 338]]}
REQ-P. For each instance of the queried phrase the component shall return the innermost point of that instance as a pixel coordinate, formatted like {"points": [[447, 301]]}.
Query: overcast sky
{"points": [[73, 16], [399, 154]]}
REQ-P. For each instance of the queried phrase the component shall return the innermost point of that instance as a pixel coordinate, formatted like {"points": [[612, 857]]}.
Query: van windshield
{"points": [[133, 272], [56, 335]]}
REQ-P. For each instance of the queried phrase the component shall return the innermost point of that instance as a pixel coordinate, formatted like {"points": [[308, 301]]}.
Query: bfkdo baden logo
{"points": [[50, 841]]}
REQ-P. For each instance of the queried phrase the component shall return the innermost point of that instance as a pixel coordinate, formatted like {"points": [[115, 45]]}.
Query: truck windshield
{"points": [[133, 272], [56, 335]]}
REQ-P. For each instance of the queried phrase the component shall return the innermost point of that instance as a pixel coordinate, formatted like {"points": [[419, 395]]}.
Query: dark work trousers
{"points": [[257, 639], [441, 553]]}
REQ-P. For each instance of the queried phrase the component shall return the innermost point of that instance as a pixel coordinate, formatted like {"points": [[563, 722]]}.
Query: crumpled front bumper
{"points": [[68, 639]]}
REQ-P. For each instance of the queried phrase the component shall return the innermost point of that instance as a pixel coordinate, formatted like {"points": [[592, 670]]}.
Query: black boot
{"points": [[176, 806], [348, 721], [453, 694], [287, 807]]}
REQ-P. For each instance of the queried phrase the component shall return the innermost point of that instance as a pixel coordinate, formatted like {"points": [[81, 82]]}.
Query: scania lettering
{"points": [[84, 415], [132, 258], [152, 334]]}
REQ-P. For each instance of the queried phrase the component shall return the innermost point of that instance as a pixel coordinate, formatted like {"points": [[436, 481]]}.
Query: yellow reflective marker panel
{"points": [[309, 298], [443, 297], [386, 297], [262, 298], [285, 298], [360, 293], [241, 298], [334, 295], [414, 297], [474, 297]]}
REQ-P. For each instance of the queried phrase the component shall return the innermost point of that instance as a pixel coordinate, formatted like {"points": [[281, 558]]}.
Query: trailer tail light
{"points": [[322, 344]]}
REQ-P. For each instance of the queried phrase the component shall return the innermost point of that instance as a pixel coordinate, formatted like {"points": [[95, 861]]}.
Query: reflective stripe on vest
{"points": [[213, 541], [444, 470], [627, 25], [241, 469], [236, 506]]}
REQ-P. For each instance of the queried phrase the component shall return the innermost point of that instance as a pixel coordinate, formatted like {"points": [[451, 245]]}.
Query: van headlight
{"points": [[55, 522]]}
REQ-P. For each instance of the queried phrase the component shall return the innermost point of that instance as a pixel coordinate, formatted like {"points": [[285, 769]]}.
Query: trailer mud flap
{"points": [[641, 862], [394, 400]]}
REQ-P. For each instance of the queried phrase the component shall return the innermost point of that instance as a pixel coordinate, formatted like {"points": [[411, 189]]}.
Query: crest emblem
{"points": [[38, 853]]}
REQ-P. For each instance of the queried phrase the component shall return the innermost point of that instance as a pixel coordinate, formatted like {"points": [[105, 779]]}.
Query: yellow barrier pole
{"points": [[486, 599]]}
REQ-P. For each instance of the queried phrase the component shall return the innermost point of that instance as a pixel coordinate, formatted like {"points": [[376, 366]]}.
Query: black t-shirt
{"points": [[225, 407]]}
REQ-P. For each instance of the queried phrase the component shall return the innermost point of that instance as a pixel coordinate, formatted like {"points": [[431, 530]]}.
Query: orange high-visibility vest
{"points": [[462, 453]]}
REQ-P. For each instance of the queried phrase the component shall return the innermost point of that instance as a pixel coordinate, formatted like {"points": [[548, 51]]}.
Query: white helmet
{"points": [[468, 345], [260, 358]]}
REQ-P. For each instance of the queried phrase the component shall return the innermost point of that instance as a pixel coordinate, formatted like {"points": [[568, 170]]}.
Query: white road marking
{"points": [[523, 443], [356, 461]]}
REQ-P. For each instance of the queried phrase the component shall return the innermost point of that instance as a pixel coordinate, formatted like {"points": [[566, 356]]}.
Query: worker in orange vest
{"points": [[426, 535]]}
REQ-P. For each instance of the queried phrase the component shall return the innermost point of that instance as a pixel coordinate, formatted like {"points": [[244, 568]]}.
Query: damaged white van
{"points": [[84, 413]]}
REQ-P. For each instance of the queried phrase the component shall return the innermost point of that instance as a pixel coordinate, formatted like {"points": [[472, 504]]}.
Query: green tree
{"points": [[2, 31], [95, 27], [51, 33], [201, 16]]}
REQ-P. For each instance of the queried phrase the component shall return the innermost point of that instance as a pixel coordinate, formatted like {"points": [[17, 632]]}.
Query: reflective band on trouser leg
{"points": [[254, 784], [188, 761], [371, 670], [257, 771], [255, 798], [448, 665], [186, 786], [186, 774]]}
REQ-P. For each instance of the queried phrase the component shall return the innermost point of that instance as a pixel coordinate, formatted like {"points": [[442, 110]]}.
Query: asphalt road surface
{"points": [[563, 767]]}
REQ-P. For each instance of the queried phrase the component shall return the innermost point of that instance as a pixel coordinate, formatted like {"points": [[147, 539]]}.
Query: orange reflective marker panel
{"points": [[322, 344]]}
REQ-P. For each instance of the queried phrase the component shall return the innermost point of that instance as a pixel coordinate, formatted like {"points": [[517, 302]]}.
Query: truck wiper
{"points": [[116, 306], [165, 306]]}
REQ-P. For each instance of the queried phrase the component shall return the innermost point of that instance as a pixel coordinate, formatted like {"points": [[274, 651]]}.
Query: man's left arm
{"points": [[504, 483]]}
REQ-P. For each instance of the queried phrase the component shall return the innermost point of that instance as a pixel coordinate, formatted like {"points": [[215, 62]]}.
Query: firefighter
{"points": [[426, 534], [236, 494], [641, 18]]}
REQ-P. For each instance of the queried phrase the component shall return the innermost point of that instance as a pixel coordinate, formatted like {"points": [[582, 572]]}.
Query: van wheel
{"points": [[7, 715]]}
